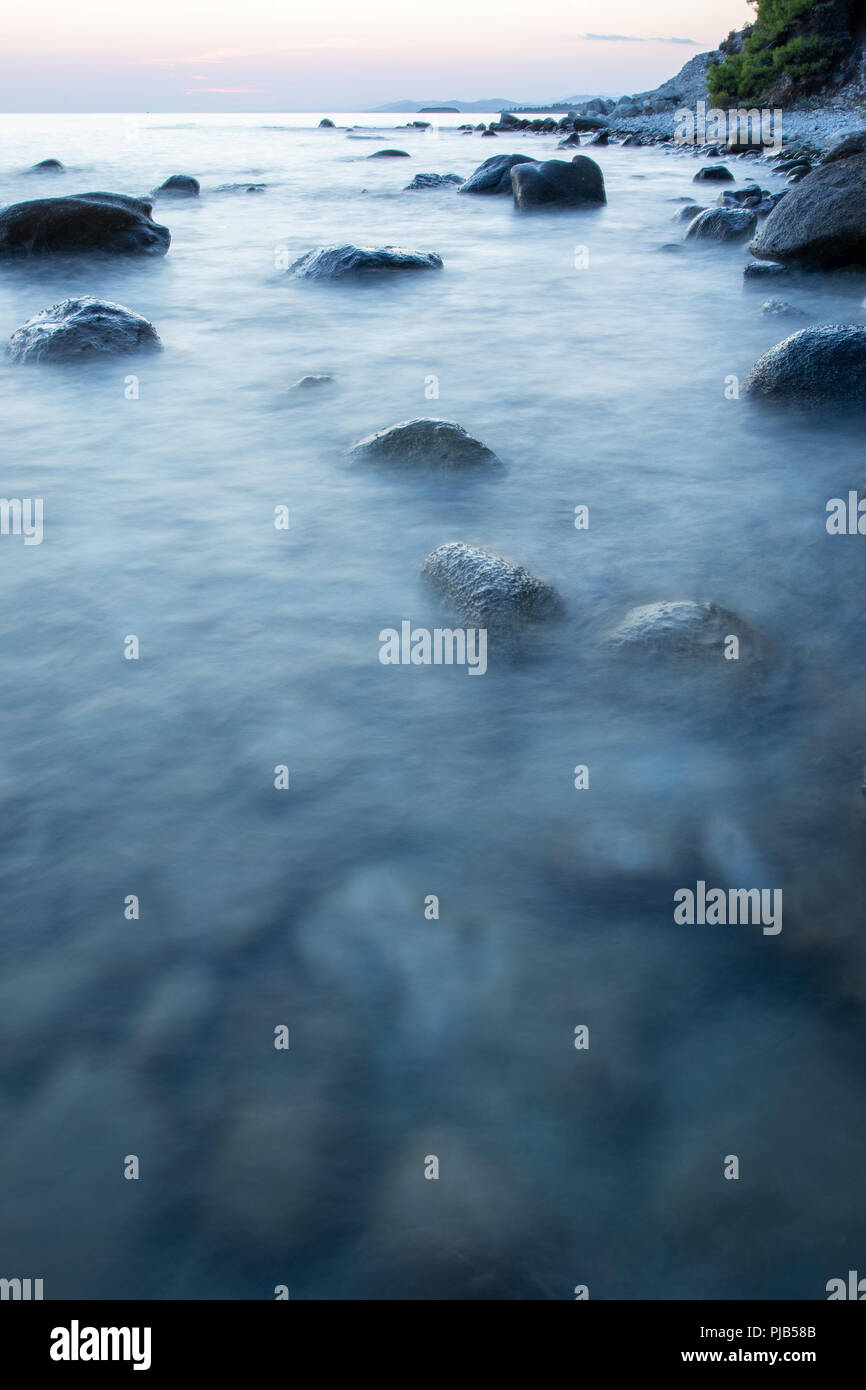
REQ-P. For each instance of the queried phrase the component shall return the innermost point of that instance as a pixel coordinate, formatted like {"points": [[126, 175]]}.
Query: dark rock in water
{"points": [[601, 137], [714, 173], [798, 173], [46, 166], [756, 272], [341, 262], [573, 139], [592, 123], [389, 154], [486, 590], [815, 365], [424, 443], [742, 197], [821, 222], [488, 135], [80, 329], [684, 627], [316, 381], [179, 186], [722, 224], [108, 222], [326, 123], [852, 143], [434, 181], [494, 175], [780, 309], [240, 188], [555, 181], [631, 140], [688, 213]]}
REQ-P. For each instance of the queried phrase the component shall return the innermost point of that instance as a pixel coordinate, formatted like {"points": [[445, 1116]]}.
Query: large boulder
{"points": [[555, 181], [494, 175], [684, 627], [852, 143], [822, 220], [424, 443], [359, 262], [179, 186], [722, 224], [485, 589], [80, 329], [107, 222], [814, 365], [713, 173]]}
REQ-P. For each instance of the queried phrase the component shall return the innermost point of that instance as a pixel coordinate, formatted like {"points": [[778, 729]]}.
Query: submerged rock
{"points": [[688, 213], [109, 222], [601, 137], [714, 173], [389, 154], [78, 329], [556, 181], [572, 139], [780, 308], [434, 181], [46, 166], [424, 443], [822, 221], [826, 364], [758, 271], [326, 124], [685, 627], [487, 590], [342, 262], [240, 188], [722, 224], [494, 175], [180, 186], [315, 381]]}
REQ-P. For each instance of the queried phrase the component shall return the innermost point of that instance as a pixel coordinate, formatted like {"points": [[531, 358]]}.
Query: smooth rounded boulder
{"points": [[89, 222], [494, 175], [179, 186], [683, 627], [714, 173], [722, 224], [821, 222], [424, 443], [846, 145], [578, 184], [46, 166], [77, 330], [360, 262], [822, 365], [487, 590], [389, 154]]}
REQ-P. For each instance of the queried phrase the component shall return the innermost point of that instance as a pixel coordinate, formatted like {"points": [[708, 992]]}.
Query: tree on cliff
{"points": [[793, 47]]}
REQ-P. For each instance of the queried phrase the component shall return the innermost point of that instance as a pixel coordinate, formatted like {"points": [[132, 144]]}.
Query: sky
{"points": [[293, 55]]}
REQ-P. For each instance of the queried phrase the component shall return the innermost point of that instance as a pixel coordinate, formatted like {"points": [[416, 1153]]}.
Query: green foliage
{"points": [[797, 43]]}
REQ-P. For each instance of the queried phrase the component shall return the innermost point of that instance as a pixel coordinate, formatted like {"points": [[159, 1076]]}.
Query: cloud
{"points": [[216, 55], [194, 91], [636, 38]]}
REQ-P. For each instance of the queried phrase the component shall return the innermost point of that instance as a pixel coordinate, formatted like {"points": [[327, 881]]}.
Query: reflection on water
{"points": [[599, 379]]}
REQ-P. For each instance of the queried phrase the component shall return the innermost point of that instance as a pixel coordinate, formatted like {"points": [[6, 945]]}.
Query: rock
{"points": [[742, 197], [688, 213], [683, 627], [342, 262], [573, 185], [780, 308], [852, 143], [433, 181], [314, 382], [78, 329], [108, 222], [626, 110], [714, 173], [573, 139], [814, 365], [326, 124], [591, 123], [487, 590], [798, 173], [494, 175], [46, 166], [821, 222], [179, 186], [240, 188], [631, 140], [765, 270], [488, 135], [601, 137], [722, 224], [424, 443], [389, 154]]}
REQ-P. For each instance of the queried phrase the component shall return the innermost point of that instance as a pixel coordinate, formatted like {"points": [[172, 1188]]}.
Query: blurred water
{"points": [[602, 385]]}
